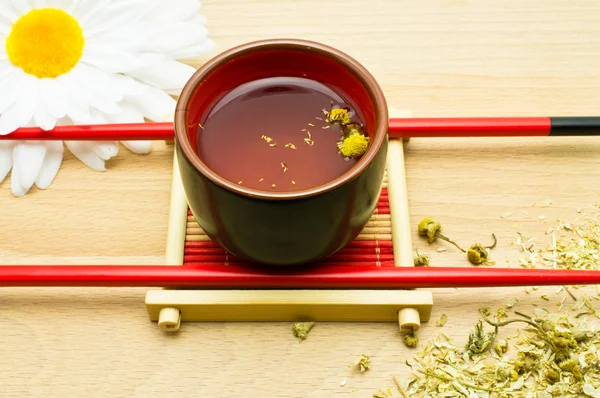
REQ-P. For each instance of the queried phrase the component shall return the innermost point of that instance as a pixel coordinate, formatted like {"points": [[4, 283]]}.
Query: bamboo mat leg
{"points": [[170, 307], [408, 318]]}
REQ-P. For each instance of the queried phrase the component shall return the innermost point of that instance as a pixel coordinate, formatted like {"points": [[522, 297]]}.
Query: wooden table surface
{"points": [[436, 58]]}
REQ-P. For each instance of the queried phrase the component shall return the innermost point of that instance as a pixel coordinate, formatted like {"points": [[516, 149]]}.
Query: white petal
{"points": [[78, 97], [28, 160], [138, 147], [205, 47], [178, 35], [115, 61], [115, 14], [43, 118], [83, 150], [21, 6], [98, 82], [16, 187], [51, 165], [87, 9], [5, 29], [129, 38], [128, 114], [53, 97], [168, 75], [106, 151], [154, 104], [8, 12], [69, 5], [6, 158], [127, 85], [165, 11], [21, 111], [9, 89]]}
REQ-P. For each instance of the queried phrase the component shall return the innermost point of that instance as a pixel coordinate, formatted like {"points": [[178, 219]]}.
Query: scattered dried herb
{"points": [[421, 260], [576, 247], [512, 302], [301, 329], [501, 314], [309, 141], [442, 321], [555, 356], [364, 363], [380, 394]]}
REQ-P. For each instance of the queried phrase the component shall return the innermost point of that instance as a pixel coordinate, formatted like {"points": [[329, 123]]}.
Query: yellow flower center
{"points": [[45, 42]]}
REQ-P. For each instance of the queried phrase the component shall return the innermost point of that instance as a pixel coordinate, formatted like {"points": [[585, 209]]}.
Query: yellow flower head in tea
{"points": [[339, 115], [354, 146]]}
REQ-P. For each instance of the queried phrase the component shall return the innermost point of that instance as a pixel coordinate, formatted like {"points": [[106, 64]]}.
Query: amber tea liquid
{"points": [[271, 135]]}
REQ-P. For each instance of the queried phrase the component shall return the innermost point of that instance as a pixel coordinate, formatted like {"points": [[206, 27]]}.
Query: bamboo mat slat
{"points": [[373, 247]]}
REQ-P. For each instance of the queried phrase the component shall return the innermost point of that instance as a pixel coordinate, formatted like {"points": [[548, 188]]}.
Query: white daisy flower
{"points": [[89, 62]]}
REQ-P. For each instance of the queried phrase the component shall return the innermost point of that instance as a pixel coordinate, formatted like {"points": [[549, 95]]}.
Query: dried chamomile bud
{"points": [[477, 254], [411, 340], [422, 260], [429, 228], [501, 314], [301, 329], [485, 311], [562, 339], [432, 230], [552, 376], [501, 347], [526, 362]]}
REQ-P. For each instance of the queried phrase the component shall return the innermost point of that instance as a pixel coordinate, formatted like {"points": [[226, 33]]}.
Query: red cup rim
{"points": [[359, 71]]}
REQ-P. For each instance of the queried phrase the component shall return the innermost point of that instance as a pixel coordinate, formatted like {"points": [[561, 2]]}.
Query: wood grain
{"points": [[436, 58]]}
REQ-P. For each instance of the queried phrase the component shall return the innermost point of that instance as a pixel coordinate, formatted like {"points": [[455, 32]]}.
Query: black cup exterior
{"points": [[283, 232]]}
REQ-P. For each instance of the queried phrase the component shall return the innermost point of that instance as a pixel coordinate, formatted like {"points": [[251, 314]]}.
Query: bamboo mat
{"points": [[373, 247]]}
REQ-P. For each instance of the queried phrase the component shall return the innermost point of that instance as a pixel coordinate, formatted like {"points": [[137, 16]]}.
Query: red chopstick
{"points": [[398, 128], [324, 277]]}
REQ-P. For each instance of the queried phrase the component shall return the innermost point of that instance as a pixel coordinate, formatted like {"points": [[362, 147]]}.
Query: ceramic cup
{"points": [[282, 228]]}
